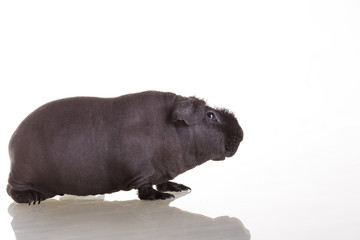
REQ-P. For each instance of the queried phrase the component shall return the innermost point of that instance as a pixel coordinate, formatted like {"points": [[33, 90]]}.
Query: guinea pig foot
{"points": [[34, 197], [27, 196], [172, 187], [148, 193], [38, 197]]}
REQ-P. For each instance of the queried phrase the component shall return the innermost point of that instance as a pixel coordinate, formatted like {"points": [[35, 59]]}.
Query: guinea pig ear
{"points": [[190, 110]]}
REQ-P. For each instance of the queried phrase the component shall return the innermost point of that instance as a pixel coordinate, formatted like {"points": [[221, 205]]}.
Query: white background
{"points": [[289, 70]]}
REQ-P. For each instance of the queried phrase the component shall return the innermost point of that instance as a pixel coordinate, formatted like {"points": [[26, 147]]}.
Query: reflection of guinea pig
{"points": [[75, 218], [86, 145]]}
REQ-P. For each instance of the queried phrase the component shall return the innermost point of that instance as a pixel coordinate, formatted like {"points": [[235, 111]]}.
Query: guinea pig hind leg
{"points": [[146, 192], [26, 196], [172, 187]]}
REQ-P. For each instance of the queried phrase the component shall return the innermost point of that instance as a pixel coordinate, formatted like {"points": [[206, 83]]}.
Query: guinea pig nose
{"points": [[233, 140], [241, 134]]}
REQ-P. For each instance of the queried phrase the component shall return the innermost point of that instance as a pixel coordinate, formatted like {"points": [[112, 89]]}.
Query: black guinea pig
{"points": [[88, 145]]}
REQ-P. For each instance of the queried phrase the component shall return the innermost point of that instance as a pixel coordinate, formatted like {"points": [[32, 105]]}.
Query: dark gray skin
{"points": [[88, 146]]}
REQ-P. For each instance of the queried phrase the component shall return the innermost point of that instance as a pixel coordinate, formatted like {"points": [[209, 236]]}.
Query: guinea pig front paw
{"points": [[148, 193], [27, 196], [172, 187]]}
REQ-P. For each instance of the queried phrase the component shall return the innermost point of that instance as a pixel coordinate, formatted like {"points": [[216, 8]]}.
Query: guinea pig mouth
{"points": [[230, 154], [219, 159]]}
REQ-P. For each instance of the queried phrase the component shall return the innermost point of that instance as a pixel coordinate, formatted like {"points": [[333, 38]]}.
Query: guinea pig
{"points": [[88, 146]]}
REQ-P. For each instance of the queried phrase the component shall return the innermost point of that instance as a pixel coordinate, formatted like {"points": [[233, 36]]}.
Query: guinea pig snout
{"points": [[232, 131], [241, 134], [233, 140]]}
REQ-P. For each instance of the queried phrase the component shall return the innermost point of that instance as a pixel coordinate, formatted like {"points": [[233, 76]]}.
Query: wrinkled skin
{"points": [[87, 146]]}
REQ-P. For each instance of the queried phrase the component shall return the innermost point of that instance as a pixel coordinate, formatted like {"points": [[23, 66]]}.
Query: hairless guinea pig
{"points": [[87, 145]]}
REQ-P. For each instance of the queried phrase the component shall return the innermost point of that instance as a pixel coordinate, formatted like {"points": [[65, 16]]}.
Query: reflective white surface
{"points": [[95, 218], [289, 70]]}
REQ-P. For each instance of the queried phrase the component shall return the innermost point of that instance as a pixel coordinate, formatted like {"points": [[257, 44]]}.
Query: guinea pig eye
{"points": [[211, 116]]}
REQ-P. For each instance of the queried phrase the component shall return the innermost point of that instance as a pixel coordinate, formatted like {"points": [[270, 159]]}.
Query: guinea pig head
{"points": [[215, 133]]}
